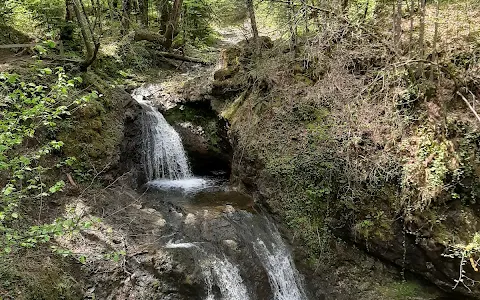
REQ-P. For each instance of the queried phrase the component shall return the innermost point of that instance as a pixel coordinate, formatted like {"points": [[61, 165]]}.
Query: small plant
{"points": [[469, 255], [30, 115]]}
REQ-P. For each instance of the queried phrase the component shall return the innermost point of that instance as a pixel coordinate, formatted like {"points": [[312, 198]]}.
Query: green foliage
{"points": [[29, 119], [6, 9], [228, 12], [195, 27], [403, 290], [31, 278], [362, 10], [49, 14], [440, 168]]}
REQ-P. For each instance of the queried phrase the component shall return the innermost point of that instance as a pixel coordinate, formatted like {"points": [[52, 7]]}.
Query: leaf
{"points": [[15, 215], [50, 44], [57, 187], [47, 71]]}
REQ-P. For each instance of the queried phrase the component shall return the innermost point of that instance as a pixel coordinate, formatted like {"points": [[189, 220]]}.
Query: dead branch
{"points": [[469, 106], [18, 45]]}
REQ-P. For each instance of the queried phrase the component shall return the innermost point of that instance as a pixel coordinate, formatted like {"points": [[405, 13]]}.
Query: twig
{"points": [[469, 106]]}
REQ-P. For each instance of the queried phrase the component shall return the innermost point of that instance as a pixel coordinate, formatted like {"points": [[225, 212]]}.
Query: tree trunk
{"points": [[164, 9], [397, 22], [66, 32], [345, 6], [412, 14], [143, 8], [305, 14], [141, 35], [291, 25], [422, 35], [172, 23], [91, 46], [126, 10], [253, 23], [435, 39], [84, 27]]}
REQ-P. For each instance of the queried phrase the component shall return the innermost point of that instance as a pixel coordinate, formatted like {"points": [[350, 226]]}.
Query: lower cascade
{"points": [[239, 254]]}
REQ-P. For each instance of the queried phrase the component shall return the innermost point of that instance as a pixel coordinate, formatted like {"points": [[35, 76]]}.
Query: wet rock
{"points": [[229, 209], [190, 219]]}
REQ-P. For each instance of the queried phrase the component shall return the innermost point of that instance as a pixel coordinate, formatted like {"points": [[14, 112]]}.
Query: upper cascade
{"points": [[163, 153]]}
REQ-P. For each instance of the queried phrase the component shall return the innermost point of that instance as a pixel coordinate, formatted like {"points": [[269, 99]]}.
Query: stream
{"points": [[236, 250]]}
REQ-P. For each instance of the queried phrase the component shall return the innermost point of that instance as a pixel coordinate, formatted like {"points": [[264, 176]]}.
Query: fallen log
{"points": [[143, 35], [18, 46], [181, 57]]}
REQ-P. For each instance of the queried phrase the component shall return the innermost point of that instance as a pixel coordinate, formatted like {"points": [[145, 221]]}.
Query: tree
{"points": [[143, 8], [422, 35], [164, 8], [126, 10], [253, 22], [172, 23], [91, 45]]}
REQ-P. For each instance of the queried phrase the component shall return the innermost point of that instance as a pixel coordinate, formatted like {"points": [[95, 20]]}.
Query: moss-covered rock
{"points": [[204, 136]]}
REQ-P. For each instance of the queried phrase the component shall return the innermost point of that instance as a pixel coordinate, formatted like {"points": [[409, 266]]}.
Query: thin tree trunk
{"points": [[99, 15], [398, 22], [291, 25], [84, 27], [317, 17], [253, 23], [164, 9], [172, 23], [412, 14], [422, 35], [345, 6], [143, 8], [66, 32], [126, 9], [91, 46], [305, 14], [435, 39]]}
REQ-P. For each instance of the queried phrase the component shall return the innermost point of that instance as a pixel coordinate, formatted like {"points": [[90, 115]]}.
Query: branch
{"points": [[469, 106], [307, 5], [18, 46]]}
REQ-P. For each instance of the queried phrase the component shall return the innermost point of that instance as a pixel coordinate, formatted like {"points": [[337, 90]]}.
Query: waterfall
{"points": [[163, 153], [277, 261], [226, 276], [263, 262]]}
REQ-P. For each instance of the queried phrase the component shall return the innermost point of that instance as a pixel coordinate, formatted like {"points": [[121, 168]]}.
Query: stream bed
{"points": [[234, 250]]}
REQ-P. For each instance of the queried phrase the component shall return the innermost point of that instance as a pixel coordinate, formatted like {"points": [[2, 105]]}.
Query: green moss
{"points": [[198, 116], [304, 79], [36, 277], [94, 135], [404, 291], [375, 226]]}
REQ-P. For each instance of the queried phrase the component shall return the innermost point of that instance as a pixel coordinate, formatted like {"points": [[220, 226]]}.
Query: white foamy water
{"points": [[163, 153], [179, 245], [226, 276], [186, 185], [277, 261]]}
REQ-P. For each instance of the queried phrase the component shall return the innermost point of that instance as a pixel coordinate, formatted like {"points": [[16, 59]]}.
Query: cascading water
{"points": [[262, 268], [276, 259], [164, 156], [225, 275]]}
